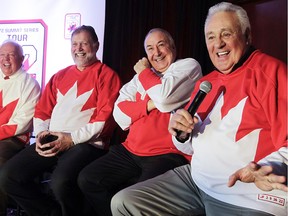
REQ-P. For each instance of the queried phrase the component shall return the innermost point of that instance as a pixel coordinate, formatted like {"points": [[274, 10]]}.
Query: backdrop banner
{"points": [[44, 29]]}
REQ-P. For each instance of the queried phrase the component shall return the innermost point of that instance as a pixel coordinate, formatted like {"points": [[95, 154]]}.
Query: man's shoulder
{"points": [[70, 67], [104, 70], [102, 66], [62, 72], [264, 58], [262, 63], [27, 78], [187, 61]]}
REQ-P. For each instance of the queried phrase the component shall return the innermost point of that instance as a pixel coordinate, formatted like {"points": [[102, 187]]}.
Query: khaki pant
{"points": [[173, 193]]}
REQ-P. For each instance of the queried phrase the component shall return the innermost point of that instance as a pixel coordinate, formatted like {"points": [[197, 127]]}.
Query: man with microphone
{"points": [[238, 138]]}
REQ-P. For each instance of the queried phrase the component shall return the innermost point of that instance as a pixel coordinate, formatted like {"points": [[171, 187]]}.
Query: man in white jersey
{"points": [[19, 93], [143, 107], [238, 137]]}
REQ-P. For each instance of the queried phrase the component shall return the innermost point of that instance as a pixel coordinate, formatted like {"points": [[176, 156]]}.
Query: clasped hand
{"points": [[50, 149]]}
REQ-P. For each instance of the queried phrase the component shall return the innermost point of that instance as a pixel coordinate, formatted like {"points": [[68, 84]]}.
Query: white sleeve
{"points": [[176, 86], [126, 93], [278, 160], [25, 111], [185, 147]]}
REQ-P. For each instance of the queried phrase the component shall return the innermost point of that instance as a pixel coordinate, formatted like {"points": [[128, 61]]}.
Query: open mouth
{"points": [[220, 54], [159, 59], [80, 54], [7, 65]]}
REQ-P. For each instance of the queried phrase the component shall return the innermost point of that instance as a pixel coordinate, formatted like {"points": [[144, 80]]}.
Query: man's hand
{"points": [[183, 121], [141, 65], [150, 105], [50, 149], [261, 176]]}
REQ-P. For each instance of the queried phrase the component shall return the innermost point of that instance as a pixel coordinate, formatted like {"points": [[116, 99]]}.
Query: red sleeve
{"points": [[47, 101], [149, 79], [134, 109]]}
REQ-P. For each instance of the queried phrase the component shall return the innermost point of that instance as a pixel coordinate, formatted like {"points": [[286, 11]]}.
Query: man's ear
{"points": [[248, 36], [96, 46]]}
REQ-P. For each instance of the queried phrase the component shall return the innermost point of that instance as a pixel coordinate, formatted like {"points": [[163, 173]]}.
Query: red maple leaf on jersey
{"points": [[5, 115]]}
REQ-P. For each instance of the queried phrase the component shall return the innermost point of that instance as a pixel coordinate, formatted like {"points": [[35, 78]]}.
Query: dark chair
{"points": [[14, 209]]}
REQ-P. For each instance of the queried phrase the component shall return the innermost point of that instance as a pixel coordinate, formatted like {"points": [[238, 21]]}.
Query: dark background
{"points": [[128, 21]]}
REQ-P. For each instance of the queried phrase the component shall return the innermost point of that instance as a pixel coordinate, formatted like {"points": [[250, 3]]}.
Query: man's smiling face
{"points": [[83, 50], [10, 58], [225, 41], [159, 51]]}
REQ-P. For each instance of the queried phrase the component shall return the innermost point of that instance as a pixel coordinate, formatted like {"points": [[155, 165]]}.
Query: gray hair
{"points": [[89, 29], [229, 7], [166, 33], [18, 47]]}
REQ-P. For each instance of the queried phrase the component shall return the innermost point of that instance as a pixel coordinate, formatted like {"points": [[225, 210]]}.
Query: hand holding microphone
{"points": [[205, 88]]}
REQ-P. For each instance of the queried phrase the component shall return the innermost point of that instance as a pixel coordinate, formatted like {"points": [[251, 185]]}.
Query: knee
{"points": [[85, 183], [4, 178], [90, 179], [82, 181], [60, 184], [117, 202]]}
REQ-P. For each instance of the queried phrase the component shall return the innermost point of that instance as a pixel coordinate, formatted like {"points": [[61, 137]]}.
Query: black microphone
{"points": [[205, 88]]}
